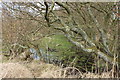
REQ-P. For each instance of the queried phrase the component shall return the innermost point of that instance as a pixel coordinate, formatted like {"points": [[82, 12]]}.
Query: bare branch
{"points": [[102, 34], [64, 6]]}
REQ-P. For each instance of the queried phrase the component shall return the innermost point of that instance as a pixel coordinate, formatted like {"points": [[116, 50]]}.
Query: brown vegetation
{"points": [[42, 70], [14, 70]]}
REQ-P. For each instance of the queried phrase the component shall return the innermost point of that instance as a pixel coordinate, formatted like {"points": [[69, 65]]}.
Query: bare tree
{"points": [[71, 18]]}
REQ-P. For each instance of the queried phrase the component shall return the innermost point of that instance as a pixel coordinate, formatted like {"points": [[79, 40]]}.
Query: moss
{"points": [[56, 41], [59, 43]]}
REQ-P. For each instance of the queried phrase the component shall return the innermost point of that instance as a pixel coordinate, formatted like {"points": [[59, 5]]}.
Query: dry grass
{"points": [[42, 70], [93, 75], [14, 70], [68, 72]]}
